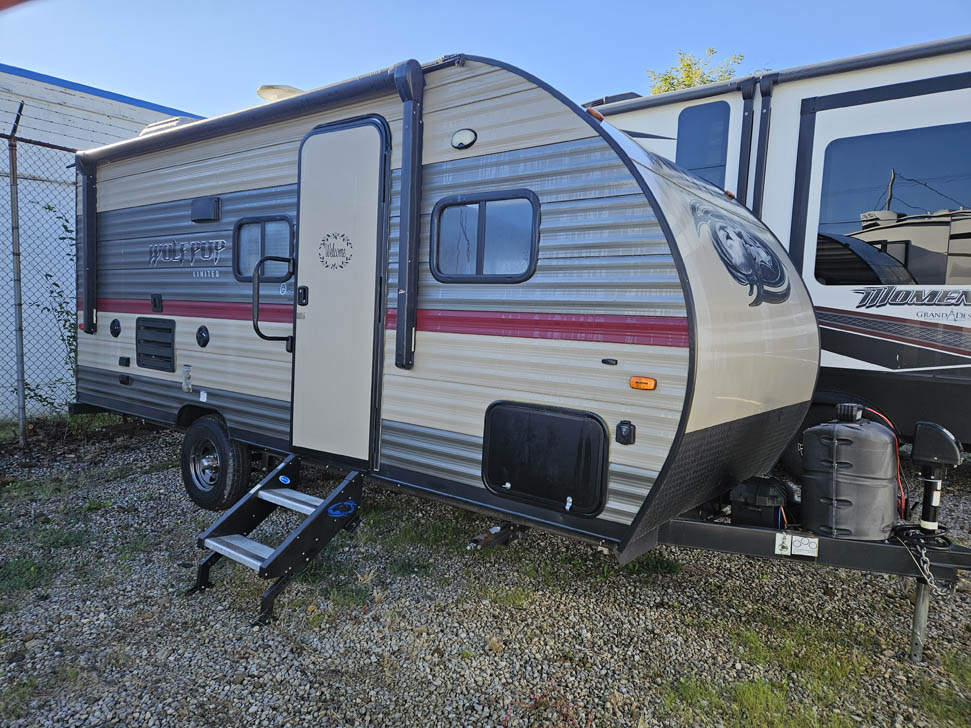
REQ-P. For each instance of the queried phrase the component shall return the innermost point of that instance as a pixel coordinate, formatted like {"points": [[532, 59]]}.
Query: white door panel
{"points": [[341, 176]]}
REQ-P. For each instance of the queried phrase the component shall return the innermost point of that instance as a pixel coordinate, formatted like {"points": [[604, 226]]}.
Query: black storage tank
{"points": [[850, 485]]}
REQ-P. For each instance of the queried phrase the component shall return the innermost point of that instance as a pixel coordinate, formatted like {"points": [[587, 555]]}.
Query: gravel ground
{"points": [[397, 624]]}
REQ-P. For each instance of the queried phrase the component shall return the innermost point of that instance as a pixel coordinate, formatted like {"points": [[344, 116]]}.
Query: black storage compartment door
{"points": [[155, 343], [552, 457]]}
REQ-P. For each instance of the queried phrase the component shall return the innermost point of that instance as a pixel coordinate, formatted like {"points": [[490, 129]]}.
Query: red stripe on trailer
{"points": [[643, 330], [272, 312]]}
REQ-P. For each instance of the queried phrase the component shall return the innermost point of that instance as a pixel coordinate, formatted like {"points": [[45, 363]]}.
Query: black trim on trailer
{"points": [[766, 84], [87, 229], [381, 262], [879, 58], [884, 557], [263, 219], [807, 131], [410, 81], [482, 198], [855, 63], [477, 498], [747, 87], [689, 94]]}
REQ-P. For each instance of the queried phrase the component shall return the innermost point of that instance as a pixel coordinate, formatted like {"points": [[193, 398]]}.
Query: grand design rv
{"points": [[457, 282], [863, 168]]}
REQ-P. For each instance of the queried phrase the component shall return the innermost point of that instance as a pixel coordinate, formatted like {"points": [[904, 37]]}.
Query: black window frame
{"points": [[260, 219], [722, 105], [482, 199]]}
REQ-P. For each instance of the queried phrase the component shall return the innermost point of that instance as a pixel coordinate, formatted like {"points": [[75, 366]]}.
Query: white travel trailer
{"points": [[451, 278], [457, 282], [875, 148]]}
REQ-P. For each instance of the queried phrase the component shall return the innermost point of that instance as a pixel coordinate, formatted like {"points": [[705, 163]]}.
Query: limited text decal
{"points": [[880, 296]]}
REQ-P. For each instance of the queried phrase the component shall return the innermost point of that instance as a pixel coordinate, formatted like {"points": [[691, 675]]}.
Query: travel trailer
{"points": [[451, 278], [455, 281], [875, 148]]}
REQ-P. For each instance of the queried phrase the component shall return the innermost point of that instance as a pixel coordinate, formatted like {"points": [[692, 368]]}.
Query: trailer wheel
{"points": [[791, 458], [215, 469]]}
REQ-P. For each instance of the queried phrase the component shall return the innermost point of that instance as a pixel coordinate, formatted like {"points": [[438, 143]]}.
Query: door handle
{"points": [[256, 297], [303, 295]]}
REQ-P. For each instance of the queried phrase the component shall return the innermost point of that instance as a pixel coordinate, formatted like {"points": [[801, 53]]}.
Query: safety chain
{"points": [[923, 564]]}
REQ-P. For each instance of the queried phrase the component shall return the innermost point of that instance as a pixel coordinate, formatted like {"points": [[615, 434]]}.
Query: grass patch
{"points": [[61, 538], [344, 596], [326, 565], [25, 573], [14, 699], [653, 563], [744, 704], [405, 564], [515, 597], [753, 648], [947, 707]]}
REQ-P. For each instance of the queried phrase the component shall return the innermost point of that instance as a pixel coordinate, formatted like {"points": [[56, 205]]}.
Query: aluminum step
{"points": [[292, 499], [239, 548]]}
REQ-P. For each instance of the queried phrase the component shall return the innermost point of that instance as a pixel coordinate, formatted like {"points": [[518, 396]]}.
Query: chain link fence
{"points": [[46, 199]]}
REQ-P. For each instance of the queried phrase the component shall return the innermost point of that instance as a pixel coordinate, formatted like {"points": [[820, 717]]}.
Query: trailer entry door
{"points": [[341, 219]]}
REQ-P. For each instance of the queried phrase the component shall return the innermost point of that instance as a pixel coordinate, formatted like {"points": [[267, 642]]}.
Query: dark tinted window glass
{"points": [[256, 238], [703, 141], [457, 235], [492, 239], [905, 194], [508, 237], [248, 242]]}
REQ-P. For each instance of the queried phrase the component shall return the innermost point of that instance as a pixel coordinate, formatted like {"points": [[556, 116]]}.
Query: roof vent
{"points": [[165, 124]]}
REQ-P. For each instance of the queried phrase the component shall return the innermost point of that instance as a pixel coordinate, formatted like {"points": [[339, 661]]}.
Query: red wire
{"points": [[902, 508]]}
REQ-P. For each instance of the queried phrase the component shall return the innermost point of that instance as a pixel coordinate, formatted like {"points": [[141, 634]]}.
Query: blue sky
{"points": [[208, 56]]}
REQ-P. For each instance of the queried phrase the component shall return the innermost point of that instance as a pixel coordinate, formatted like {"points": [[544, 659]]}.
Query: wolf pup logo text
{"points": [[748, 257], [201, 255], [335, 251]]}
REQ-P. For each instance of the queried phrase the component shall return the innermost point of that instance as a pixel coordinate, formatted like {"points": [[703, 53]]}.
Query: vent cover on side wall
{"points": [[548, 456], [155, 344]]}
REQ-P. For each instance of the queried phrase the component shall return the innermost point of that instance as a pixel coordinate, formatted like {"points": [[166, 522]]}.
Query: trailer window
{"points": [[488, 238], [905, 194], [255, 237], [703, 141]]}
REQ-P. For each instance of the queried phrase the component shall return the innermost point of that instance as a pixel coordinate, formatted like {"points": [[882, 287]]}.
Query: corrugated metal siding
{"points": [[601, 246], [234, 360], [254, 414], [458, 458], [125, 239], [507, 111]]}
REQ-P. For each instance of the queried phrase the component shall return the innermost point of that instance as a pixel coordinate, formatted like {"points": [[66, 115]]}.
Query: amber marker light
{"points": [[643, 383], [595, 114]]}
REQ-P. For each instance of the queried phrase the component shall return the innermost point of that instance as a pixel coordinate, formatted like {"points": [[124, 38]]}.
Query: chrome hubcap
{"points": [[204, 464]]}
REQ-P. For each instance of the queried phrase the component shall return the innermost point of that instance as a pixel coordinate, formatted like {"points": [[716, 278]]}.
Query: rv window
{"points": [[255, 237], [703, 141], [905, 194], [487, 238]]}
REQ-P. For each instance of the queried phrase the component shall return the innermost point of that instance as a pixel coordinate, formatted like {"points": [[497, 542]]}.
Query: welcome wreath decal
{"points": [[335, 251]]}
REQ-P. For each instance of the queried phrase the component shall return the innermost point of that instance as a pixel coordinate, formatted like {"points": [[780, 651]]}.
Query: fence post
{"points": [[18, 304]]}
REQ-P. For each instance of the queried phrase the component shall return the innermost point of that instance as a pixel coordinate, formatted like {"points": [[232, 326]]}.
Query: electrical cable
{"points": [[902, 505]]}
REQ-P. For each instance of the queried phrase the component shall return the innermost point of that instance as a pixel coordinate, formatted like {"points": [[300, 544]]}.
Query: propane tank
{"points": [[850, 487]]}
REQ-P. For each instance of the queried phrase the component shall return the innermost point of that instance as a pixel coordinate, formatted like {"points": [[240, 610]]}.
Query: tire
{"points": [[215, 469], [791, 458]]}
